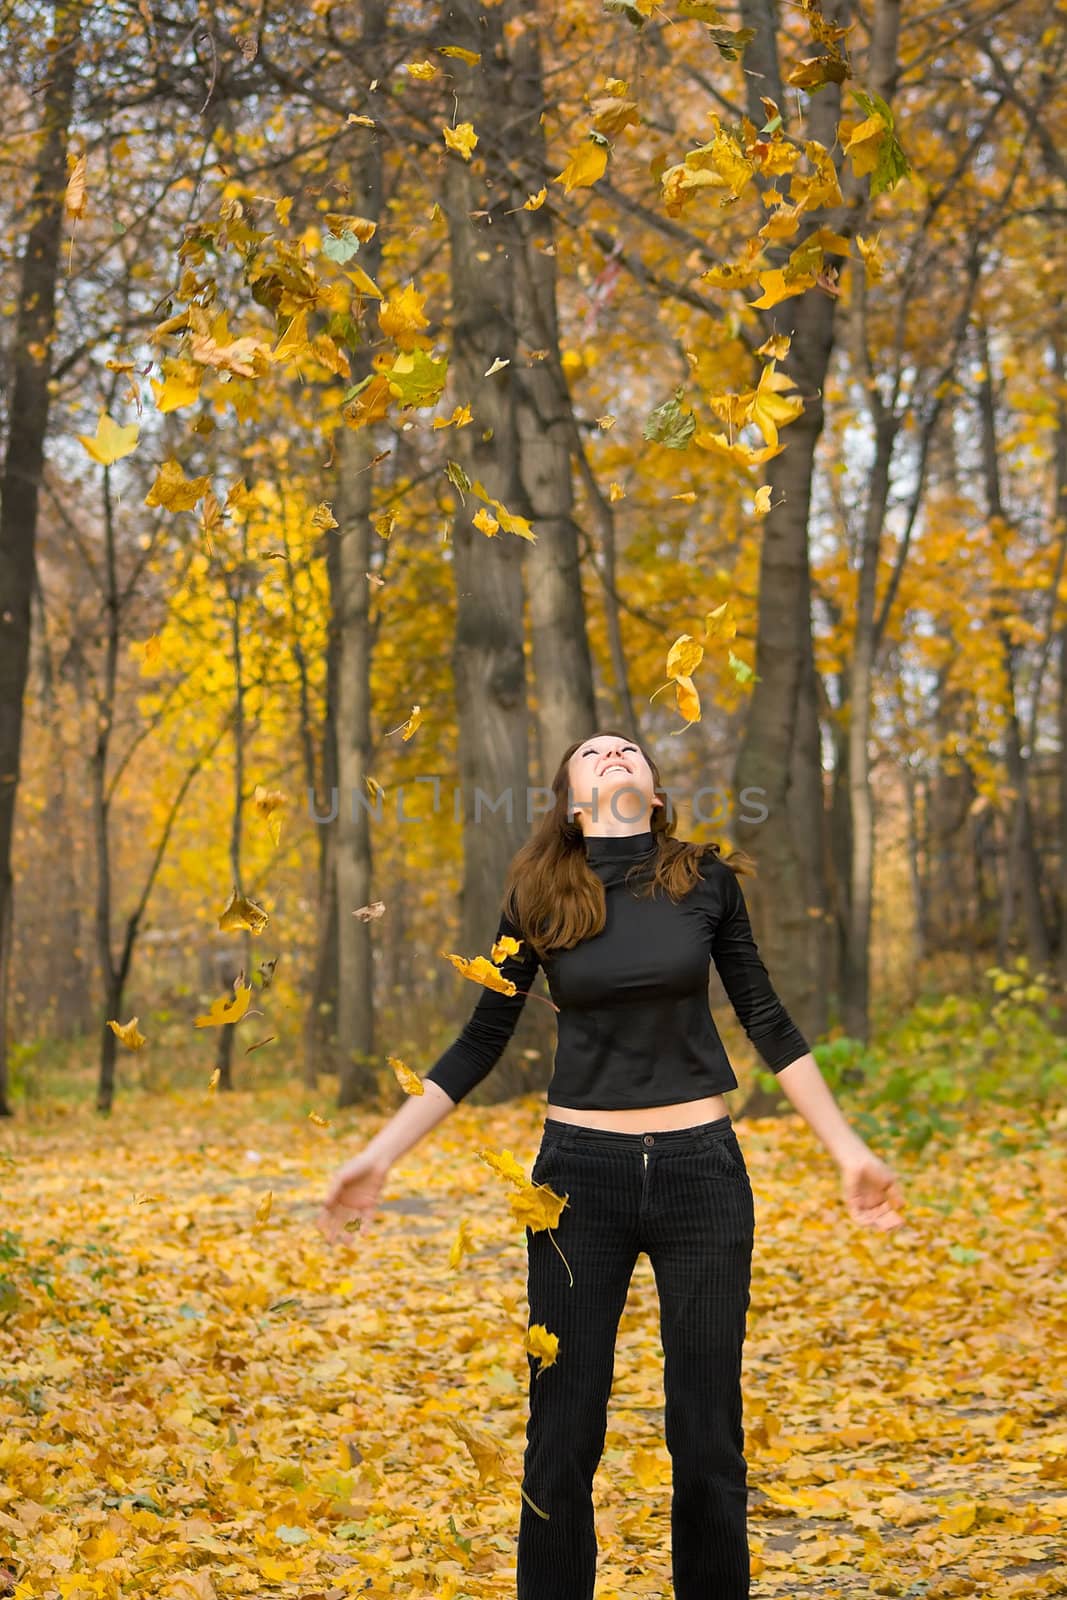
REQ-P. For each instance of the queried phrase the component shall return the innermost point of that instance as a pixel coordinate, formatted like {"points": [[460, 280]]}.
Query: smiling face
{"points": [[611, 785]]}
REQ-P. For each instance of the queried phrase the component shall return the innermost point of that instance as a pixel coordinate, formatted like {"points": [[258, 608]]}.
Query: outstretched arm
{"points": [[870, 1188]]}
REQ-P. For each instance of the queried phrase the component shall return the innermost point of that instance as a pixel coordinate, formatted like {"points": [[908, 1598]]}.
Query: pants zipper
{"points": [[645, 1154]]}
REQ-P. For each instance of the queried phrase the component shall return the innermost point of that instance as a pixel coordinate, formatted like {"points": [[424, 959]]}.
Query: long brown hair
{"points": [[555, 899]]}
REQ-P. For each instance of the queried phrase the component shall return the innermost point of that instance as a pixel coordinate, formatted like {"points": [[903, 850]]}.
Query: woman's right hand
{"points": [[352, 1196]]}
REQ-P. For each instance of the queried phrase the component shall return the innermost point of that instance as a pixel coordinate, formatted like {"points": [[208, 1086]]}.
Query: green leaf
{"points": [[292, 1535], [340, 248], [457, 477], [423, 385], [670, 425]]}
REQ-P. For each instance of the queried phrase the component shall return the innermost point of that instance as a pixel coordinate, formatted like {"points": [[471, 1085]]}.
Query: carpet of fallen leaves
{"points": [[199, 1398]]}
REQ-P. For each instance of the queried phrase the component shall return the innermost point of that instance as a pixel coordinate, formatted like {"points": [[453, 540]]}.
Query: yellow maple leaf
{"points": [[127, 1034], [776, 348], [762, 503], [719, 624], [461, 1245], [776, 288], [226, 1010], [422, 70], [412, 723], [364, 283], [270, 803], [320, 1122], [242, 913], [409, 1081], [688, 699], [586, 166], [506, 945], [371, 404], [771, 408], [536, 201], [485, 522], [294, 341], [506, 1166], [541, 1344], [486, 1452], [112, 440], [684, 656], [180, 386], [461, 416], [864, 143], [471, 57], [173, 490], [734, 450], [479, 970], [873, 259], [263, 1209], [403, 317], [462, 139]]}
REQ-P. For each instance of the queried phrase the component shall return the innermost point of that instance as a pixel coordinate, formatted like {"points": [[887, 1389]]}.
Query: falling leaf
{"points": [[684, 656], [409, 1081], [368, 913], [542, 1345], [320, 1122], [720, 624], [499, 362], [471, 57], [479, 970], [403, 317], [461, 139], [587, 164], [762, 503], [270, 803], [412, 723], [461, 1245], [263, 1209], [174, 491], [422, 70], [74, 196], [670, 424], [242, 913], [111, 441], [225, 1010], [127, 1033]]}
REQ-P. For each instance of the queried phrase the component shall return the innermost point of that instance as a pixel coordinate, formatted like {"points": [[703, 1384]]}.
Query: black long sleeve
{"points": [[478, 1048], [769, 1027]]}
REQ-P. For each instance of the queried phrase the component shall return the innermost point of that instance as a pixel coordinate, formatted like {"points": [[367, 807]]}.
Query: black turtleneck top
{"points": [[634, 1025]]}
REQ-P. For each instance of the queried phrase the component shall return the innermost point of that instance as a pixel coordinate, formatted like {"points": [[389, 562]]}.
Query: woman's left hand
{"points": [[871, 1191]]}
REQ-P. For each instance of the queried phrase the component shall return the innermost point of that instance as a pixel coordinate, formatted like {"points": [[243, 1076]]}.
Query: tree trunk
{"points": [[488, 656], [357, 1076], [24, 457]]}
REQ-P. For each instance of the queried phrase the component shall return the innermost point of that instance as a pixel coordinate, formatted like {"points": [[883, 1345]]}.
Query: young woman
{"points": [[625, 919]]}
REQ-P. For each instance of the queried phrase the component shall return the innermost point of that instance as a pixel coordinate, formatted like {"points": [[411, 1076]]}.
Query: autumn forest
{"points": [[390, 396]]}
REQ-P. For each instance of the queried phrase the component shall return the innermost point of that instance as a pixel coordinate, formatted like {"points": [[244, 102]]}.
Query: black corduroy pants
{"points": [[685, 1198]]}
